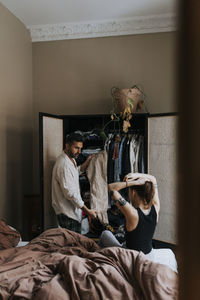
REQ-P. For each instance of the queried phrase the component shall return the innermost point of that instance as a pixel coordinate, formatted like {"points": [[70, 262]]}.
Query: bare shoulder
{"points": [[132, 219]]}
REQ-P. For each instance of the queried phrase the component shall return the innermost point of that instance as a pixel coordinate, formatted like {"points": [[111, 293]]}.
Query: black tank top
{"points": [[140, 238]]}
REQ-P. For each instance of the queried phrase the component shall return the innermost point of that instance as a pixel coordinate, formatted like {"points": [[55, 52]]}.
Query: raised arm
{"points": [[125, 207]]}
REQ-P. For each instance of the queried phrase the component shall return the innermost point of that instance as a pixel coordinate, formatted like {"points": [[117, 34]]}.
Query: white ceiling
{"points": [[40, 14]]}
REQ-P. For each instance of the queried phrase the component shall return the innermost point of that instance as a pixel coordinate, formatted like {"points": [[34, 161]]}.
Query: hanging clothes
{"points": [[133, 149], [120, 155], [126, 165], [110, 164], [141, 163], [97, 176], [115, 157], [125, 156]]}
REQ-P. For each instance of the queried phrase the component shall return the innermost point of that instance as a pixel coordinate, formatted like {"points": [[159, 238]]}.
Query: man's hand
{"points": [[90, 212], [86, 162], [91, 156]]}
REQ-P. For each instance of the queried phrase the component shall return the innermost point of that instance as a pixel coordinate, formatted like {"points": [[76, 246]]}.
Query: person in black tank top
{"points": [[140, 238], [142, 212], [141, 218]]}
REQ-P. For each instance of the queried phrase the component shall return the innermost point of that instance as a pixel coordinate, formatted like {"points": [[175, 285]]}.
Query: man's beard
{"points": [[72, 155]]}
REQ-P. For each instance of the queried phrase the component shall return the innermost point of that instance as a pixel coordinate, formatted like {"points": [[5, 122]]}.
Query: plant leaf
{"points": [[103, 135], [131, 102]]}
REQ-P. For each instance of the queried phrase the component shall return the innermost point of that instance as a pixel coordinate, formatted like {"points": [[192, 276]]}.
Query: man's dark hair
{"points": [[73, 137]]}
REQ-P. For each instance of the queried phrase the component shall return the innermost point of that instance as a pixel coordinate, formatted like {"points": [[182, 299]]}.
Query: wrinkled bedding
{"points": [[9, 236], [61, 264]]}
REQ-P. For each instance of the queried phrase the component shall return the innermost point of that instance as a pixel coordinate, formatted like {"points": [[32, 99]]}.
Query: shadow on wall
{"points": [[19, 173]]}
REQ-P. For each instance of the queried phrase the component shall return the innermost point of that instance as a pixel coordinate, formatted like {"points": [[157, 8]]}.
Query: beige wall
{"points": [[16, 120], [76, 76]]}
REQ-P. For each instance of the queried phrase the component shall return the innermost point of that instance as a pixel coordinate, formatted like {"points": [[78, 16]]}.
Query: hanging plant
{"points": [[126, 102]]}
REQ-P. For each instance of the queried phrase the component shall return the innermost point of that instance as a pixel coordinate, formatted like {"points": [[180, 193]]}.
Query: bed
{"points": [[61, 264]]}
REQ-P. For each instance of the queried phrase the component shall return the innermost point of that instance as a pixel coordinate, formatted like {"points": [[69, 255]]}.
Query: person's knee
{"points": [[105, 233]]}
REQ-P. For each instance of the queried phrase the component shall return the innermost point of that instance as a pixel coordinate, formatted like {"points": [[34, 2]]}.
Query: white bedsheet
{"points": [[163, 256], [22, 243]]}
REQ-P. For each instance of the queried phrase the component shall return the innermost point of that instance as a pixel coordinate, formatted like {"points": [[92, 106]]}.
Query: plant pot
{"points": [[128, 97]]}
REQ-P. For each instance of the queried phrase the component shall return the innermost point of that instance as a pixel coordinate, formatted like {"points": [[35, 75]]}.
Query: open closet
{"points": [[157, 156]]}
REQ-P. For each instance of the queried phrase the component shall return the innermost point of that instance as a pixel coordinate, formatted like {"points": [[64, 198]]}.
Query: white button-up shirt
{"points": [[66, 197]]}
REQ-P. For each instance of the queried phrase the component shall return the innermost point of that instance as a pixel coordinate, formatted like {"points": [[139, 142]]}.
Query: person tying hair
{"points": [[141, 214]]}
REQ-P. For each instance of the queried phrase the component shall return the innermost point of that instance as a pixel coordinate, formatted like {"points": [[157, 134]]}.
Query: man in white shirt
{"points": [[66, 197]]}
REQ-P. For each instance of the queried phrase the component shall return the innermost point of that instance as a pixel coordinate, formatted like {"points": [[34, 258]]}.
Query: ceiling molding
{"points": [[136, 25]]}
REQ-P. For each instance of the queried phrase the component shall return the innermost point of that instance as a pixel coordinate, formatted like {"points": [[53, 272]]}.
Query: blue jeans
{"points": [[107, 239]]}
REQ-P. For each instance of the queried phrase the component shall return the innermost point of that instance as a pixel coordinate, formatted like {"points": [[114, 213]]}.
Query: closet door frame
{"points": [[41, 162], [148, 116], [171, 236]]}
